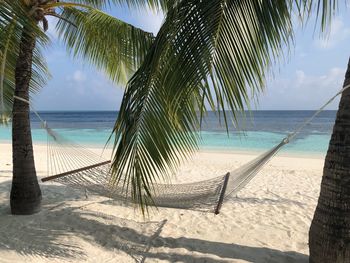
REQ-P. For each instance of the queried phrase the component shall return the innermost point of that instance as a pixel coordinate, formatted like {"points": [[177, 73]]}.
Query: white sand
{"points": [[267, 222]]}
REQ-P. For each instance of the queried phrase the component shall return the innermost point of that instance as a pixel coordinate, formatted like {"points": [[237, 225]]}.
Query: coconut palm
{"points": [[108, 43], [209, 54]]}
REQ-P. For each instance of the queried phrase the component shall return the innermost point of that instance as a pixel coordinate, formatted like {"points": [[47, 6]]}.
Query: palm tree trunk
{"points": [[25, 191], [329, 236]]}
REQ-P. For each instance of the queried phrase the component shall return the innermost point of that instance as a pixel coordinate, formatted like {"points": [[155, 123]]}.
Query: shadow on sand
{"points": [[48, 234]]}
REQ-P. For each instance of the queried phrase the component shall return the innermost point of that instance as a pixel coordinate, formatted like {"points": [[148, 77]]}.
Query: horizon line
{"points": [[85, 110]]}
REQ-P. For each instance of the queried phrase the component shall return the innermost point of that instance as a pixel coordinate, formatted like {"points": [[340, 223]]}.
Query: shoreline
{"points": [[290, 154], [250, 152]]}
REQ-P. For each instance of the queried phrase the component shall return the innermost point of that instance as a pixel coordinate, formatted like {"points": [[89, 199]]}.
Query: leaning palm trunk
{"points": [[329, 236], [25, 191]]}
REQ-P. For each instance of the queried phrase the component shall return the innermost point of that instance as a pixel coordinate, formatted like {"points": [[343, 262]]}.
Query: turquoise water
{"points": [[91, 137], [263, 131], [260, 141]]}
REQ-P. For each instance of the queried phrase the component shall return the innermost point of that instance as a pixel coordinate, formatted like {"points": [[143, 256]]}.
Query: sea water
{"points": [[256, 131]]}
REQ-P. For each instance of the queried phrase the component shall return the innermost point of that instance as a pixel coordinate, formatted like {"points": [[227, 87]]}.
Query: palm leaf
{"points": [[226, 44], [205, 50], [13, 20], [324, 10], [106, 42], [139, 4]]}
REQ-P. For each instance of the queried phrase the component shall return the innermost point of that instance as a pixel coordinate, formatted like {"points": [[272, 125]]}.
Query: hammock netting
{"points": [[78, 167]]}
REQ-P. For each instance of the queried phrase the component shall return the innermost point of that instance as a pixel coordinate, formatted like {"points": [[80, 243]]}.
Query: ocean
{"points": [[259, 131]]}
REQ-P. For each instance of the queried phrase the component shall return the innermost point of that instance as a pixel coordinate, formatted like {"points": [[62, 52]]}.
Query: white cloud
{"points": [[98, 93], [332, 80], [338, 32], [79, 76], [303, 91], [302, 54], [300, 76]]}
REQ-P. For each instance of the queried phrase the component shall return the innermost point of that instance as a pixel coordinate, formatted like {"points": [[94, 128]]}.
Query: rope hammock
{"points": [[78, 167]]}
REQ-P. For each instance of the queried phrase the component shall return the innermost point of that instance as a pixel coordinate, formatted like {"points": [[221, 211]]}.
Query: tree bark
{"points": [[329, 236], [25, 195]]}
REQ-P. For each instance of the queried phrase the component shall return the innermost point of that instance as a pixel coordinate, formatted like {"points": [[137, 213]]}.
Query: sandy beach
{"points": [[267, 222]]}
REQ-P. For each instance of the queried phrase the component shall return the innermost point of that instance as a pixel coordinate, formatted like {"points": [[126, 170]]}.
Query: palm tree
{"points": [[208, 54], [110, 44], [330, 228]]}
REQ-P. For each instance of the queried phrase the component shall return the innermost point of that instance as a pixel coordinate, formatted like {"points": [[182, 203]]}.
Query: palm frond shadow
{"points": [[48, 235]]}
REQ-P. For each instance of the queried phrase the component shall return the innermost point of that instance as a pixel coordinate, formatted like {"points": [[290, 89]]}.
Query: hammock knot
{"points": [[286, 140], [44, 125]]}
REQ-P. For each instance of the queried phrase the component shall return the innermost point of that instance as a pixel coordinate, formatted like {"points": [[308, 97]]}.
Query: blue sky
{"points": [[312, 73]]}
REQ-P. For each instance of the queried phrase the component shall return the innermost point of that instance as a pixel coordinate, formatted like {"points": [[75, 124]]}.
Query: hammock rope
{"points": [[76, 166]]}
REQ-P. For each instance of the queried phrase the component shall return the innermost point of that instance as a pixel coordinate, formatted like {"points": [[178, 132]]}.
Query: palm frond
{"points": [[106, 42], [13, 20], [322, 9], [205, 49], [139, 4]]}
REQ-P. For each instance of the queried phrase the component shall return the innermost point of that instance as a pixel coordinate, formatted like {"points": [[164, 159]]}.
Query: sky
{"points": [[309, 76]]}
